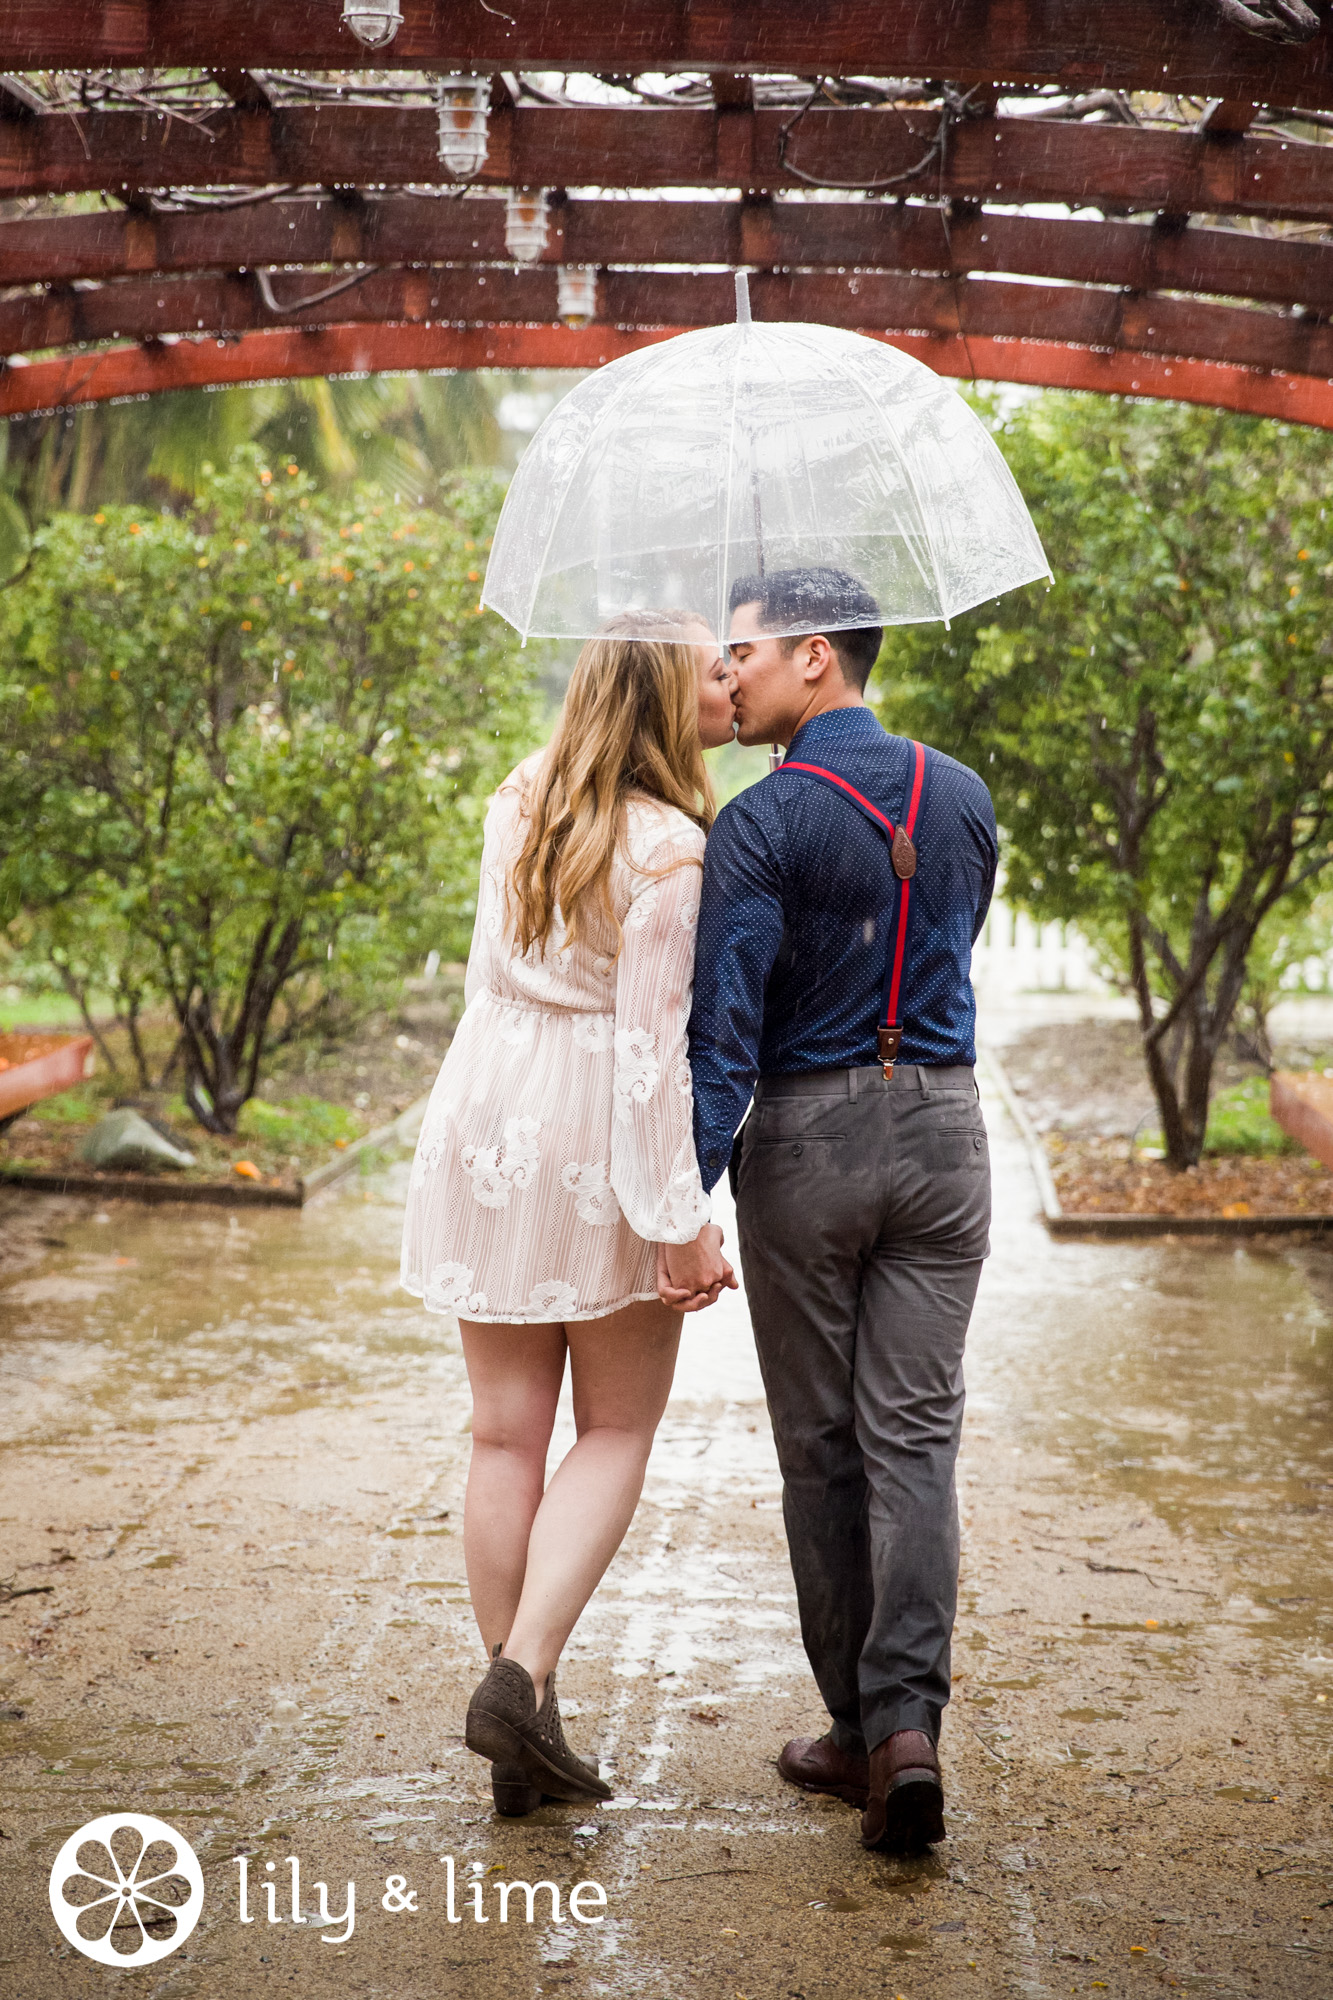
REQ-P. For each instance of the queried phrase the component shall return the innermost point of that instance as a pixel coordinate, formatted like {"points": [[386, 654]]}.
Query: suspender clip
{"points": [[890, 1041]]}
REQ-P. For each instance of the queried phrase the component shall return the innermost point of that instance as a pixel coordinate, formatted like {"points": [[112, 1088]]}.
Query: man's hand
{"points": [[691, 1276]]}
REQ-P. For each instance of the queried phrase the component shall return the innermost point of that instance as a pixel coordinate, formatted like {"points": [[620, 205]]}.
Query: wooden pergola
{"points": [[1134, 198]]}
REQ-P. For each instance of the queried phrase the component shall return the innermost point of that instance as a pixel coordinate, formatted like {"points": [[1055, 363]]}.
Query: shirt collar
{"points": [[834, 726]]}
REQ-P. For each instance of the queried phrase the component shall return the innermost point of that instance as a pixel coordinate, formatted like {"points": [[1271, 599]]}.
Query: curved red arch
{"points": [[285, 353]]}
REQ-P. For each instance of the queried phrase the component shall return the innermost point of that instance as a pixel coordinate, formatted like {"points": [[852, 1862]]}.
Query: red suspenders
{"points": [[903, 855]]}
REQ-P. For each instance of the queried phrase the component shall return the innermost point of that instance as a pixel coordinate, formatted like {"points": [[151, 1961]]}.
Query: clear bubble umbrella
{"points": [[739, 451]]}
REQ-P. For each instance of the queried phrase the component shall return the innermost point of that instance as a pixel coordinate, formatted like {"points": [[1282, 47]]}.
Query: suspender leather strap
{"points": [[903, 855]]}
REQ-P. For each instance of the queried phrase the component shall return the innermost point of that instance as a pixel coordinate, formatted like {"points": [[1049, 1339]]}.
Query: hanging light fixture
{"points": [[576, 294], [463, 103], [375, 25], [527, 225]]}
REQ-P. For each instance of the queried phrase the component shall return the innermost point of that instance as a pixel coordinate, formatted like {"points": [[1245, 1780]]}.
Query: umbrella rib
{"points": [[724, 539], [805, 463], [614, 404], [921, 511]]}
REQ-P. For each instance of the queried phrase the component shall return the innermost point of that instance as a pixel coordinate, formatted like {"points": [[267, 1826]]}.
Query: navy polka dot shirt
{"points": [[797, 918]]}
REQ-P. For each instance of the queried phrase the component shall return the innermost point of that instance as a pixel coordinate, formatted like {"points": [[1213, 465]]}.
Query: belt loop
{"points": [[922, 1085], [851, 1083]]}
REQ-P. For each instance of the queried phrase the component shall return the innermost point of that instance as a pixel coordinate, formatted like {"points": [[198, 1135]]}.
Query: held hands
{"points": [[691, 1275]]}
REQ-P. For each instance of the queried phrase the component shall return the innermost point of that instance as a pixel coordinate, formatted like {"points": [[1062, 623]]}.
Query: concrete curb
{"points": [[1164, 1227], [1126, 1228], [402, 1132], [1036, 1152], [223, 1194]]}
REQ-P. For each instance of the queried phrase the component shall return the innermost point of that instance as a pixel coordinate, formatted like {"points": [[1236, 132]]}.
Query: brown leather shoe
{"points": [[818, 1765], [905, 1810]]}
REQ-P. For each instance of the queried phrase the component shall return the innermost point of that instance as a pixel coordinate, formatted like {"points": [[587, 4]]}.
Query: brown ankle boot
{"points": [[816, 1764], [505, 1724], [905, 1809], [513, 1793]]}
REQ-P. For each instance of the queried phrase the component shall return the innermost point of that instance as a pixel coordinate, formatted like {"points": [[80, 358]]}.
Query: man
{"points": [[862, 1173]]}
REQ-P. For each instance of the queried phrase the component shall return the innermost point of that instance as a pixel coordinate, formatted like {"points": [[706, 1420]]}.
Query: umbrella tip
{"points": [[742, 299]]}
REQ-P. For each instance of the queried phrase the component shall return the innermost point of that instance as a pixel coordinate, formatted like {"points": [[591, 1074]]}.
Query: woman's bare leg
{"points": [[515, 1373], [621, 1368]]}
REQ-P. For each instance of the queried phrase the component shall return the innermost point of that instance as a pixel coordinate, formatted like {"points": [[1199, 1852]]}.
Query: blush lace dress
{"points": [[557, 1148]]}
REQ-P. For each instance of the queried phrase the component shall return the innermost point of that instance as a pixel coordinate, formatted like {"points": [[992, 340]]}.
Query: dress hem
{"points": [[526, 1319]]}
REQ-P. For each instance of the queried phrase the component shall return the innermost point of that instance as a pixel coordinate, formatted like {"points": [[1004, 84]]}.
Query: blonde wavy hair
{"points": [[630, 724]]}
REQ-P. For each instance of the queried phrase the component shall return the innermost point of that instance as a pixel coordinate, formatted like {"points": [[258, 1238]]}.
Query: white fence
{"points": [[1015, 955]]}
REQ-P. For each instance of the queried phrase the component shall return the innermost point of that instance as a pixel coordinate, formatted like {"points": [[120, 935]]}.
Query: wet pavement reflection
{"points": [[1196, 1380], [231, 1465]]}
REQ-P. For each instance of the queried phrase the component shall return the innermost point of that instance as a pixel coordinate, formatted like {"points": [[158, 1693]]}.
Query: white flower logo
{"points": [[126, 1889]]}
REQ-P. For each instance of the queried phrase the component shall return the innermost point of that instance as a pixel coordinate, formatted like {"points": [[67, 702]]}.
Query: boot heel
{"points": [[491, 1736], [513, 1791]]}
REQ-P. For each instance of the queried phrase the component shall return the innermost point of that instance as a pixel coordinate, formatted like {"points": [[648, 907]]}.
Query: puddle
{"points": [[190, 1302], [904, 1944], [1194, 1381]]}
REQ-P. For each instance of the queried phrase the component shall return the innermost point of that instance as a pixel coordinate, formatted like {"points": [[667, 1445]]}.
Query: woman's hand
{"points": [[691, 1276]]}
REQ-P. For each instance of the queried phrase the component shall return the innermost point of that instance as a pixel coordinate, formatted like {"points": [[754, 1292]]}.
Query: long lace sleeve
{"points": [[653, 1168], [489, 925]]}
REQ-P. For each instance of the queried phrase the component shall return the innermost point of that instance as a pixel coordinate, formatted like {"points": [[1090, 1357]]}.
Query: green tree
{"points": [[256, 736], [405, 432], [1158, 728]]}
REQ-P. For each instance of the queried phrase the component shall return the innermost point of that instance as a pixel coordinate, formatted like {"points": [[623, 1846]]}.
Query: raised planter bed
{"points": [[35, 1066], [1262, 1180], [221, 1193], [320, 1109]]}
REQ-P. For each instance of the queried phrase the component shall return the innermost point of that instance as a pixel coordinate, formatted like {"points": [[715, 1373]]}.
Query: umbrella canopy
{"points": [[739, 451]]}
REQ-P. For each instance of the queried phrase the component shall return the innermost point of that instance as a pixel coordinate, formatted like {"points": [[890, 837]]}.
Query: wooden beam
{"points": [[285, 355], [19, 100], [421, 229], [1127, 44], [870, 302], [1120, 168], [245, 87], [1227, 118], [732, 92]]}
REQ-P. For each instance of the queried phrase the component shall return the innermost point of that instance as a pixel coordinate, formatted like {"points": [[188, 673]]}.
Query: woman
{"points": [[557, 1155]]}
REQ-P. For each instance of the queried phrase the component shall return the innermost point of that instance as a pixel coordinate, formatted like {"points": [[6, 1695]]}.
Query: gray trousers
{"points": [[864, 1212]]}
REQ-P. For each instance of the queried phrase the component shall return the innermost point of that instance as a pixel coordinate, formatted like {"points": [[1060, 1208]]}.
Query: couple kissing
{"points": [[658, 995]]}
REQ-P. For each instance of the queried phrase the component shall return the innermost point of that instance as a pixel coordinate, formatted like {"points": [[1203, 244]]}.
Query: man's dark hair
{"points": [[813, 600]]}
